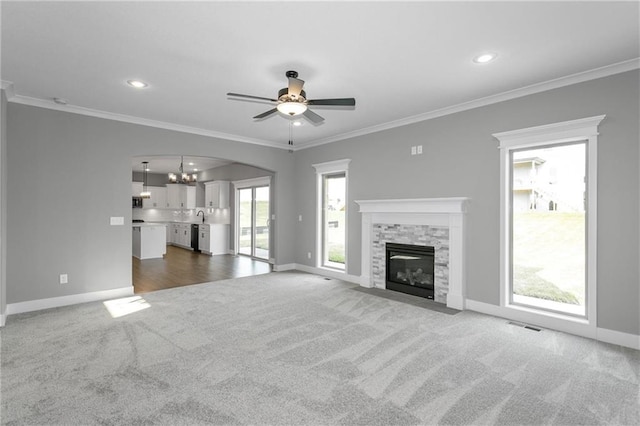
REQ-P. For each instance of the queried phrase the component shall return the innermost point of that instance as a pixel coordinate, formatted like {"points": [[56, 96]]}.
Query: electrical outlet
{"points": [[413, 150], [64, 278], [309, 255], [419, 149]]}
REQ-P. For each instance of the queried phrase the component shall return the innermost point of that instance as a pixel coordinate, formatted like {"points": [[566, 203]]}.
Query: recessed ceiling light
{"points": [[484, 58], [297, 123], [137, 84], [195, 170], [192, 164]]}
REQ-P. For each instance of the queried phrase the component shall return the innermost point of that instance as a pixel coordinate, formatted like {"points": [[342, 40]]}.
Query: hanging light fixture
{"points": [[184, 177], [145, 191]]}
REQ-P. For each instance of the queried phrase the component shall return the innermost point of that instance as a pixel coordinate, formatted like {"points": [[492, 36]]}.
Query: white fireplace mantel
{"points": [[414, 205], [448, 212]]}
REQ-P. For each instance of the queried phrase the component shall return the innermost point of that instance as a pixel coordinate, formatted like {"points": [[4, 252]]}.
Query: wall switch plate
{"points": [[64, 278], [299, 218], [419, 149], [273, 217], [309, 255], [413, 150], [117, 220]]}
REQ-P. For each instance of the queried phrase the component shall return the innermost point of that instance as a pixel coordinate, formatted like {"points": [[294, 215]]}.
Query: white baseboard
{"points": [[285, 267], [577, 327], [619, 338], [55, 302]]}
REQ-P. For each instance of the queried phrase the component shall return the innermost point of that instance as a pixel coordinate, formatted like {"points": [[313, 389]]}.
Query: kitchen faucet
{"points": [[198, 214]]}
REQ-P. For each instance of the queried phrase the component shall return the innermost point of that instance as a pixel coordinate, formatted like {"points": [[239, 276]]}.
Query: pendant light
{"points": [[145, 191]]}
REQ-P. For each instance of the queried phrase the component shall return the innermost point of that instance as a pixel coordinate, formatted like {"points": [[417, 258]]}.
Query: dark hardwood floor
{"points": [[182, 267]]}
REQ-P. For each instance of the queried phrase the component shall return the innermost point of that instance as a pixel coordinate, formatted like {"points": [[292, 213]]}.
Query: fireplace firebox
{"points": [[410, 269]]}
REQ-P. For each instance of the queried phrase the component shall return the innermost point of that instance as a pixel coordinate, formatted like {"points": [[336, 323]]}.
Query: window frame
{"points": [[581, 130]]}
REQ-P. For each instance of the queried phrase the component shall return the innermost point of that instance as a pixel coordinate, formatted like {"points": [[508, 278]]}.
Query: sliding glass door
{"points": [[253, 221]]}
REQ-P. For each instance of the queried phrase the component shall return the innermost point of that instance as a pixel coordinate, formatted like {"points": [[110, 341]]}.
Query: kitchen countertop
{"points": [[184, 223], [146, 224]]}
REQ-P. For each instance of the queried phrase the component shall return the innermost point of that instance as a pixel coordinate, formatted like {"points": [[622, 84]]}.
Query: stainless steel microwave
{"points": [[137, 202]]}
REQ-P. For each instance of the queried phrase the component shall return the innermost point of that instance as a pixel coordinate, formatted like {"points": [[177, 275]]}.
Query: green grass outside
{"points": [[336, 236], [549, 256]]}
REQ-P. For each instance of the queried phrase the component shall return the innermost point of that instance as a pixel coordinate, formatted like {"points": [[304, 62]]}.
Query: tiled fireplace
{"points": [[435, 222]]}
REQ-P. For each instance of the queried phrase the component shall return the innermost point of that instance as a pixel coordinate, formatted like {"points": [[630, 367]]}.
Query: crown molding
{"points": [[593, 74], [580, 77], [41, 103]]}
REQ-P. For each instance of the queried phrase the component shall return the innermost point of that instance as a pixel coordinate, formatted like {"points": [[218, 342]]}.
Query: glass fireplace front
{"points": [[410, 269]]}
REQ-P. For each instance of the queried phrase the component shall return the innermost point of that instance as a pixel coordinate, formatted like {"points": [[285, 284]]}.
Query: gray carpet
{"points": [[292, 349]]}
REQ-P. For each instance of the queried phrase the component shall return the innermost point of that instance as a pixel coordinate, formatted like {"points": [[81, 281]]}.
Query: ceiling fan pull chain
{"points": [[290, 136]]}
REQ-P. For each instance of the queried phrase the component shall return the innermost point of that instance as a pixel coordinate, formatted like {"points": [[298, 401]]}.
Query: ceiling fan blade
{"points": [[295, 86], [312, 116], [238, 95], [265, 114], [341, 102]]}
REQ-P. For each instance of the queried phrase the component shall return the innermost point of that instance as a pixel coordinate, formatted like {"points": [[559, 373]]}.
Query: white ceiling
{"points": [[171, 164], [401, 61]]}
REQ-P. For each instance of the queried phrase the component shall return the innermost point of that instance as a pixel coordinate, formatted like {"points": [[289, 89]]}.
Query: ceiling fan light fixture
{"points": [[292, 108]]}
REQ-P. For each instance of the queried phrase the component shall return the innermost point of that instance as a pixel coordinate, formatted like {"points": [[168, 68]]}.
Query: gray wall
{"points": [[70, 173], [461, 159]]}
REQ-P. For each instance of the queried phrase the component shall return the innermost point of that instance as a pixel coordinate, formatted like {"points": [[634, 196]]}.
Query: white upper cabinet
{"points": [[216, 194], [173, 196], [181, 196], [136, 188], [158, 198], [188, 197]]}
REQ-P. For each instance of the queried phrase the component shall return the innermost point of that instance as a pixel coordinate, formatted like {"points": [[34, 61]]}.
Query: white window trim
{"points": [[585, 129], [322, 169], [247, 183]]}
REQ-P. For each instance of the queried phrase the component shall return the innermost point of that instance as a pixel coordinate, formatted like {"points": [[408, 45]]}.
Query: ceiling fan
{"points": [[292, 101]]}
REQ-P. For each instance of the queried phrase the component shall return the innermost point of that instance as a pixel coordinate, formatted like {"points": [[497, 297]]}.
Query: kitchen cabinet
{"points": [[216, 194], [180, 196], [213, 238], [136, 188], [148, 241], [158, 198], [181, 235], [185, 235], [203, 238]]}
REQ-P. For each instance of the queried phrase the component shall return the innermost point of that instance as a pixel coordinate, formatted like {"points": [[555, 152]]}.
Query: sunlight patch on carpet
{"points": [[125, 306]]}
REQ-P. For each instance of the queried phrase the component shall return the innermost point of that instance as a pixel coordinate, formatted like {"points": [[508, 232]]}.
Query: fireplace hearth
{"points": [[410, 269]]}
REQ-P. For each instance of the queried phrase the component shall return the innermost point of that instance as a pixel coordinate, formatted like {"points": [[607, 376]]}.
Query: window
{"points": [[548, 220], [332, 214], [548, 228]]}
